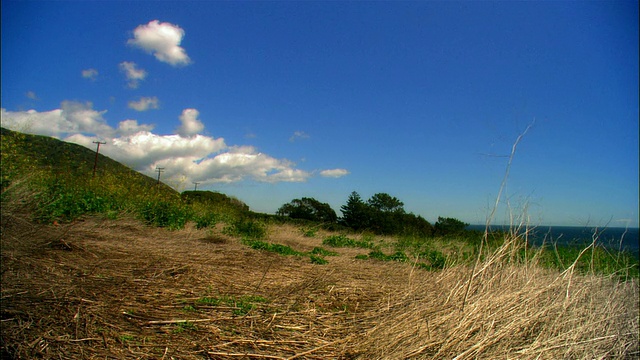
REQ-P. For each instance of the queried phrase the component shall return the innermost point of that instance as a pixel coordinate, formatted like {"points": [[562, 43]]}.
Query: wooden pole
{"points": [[95, 163]]}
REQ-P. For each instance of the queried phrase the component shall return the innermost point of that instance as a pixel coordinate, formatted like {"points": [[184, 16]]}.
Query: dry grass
{"points": [[117, 289]]}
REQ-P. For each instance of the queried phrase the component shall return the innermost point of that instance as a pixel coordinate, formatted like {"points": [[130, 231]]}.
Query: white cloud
{"points": [[72, 117], [134, 75], [144, 104], [188, 156], [31, 95], [90, 74], [190, 123], [334, 173], [130, 127], [162, 40], [298, 135]]}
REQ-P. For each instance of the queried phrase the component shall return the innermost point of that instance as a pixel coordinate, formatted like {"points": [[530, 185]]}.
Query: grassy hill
{"points": [[55, 178], [22, 153], [118, 267]]}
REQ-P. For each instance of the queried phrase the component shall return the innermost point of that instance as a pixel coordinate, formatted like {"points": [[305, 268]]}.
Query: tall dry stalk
{"points": [[503, 184]]}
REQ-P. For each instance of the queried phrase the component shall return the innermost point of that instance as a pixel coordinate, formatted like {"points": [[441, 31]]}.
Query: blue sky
{"points": [[271, 101]]}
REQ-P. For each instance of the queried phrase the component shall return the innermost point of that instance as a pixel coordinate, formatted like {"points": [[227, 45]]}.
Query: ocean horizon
{"points": [[618, 238]]}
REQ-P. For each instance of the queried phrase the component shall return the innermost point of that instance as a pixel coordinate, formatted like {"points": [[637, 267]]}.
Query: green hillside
{"points": [[23, 153], [53, 180]]}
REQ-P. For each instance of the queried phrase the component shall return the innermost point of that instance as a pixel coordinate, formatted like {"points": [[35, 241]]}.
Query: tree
{"points": [[386, 214], [308, 209], [355, 214], [416, 226], [449, 226], [386, 203]]}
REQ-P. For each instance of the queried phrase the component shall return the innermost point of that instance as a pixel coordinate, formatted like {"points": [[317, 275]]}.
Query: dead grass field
{"points": [[116, 289]]}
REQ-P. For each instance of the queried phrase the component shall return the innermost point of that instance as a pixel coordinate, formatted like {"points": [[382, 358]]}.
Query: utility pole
{"points": [[196, 189], [95, 163], [159, 170]]}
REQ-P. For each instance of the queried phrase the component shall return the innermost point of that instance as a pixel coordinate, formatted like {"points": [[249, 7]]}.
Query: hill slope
{"points": [[62, 157]]}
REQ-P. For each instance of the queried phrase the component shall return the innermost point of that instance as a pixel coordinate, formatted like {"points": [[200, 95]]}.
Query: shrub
{"points": [[165, 214], [246, 228], [343, 241], [315, 259], [276, 248], [397, 256], [436, 260], [320, 251], [205, 220]]}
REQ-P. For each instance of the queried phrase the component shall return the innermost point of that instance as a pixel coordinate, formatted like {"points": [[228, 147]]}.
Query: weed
{"points": [[184, 326], [397, 256], [362, 257], [276, 248], [206, 220], [319, 260], [343, 241], [167, 214], [188, 308], [323, 252], [241, 305], [246, 228], [126, 337], [309, 232], [436, 259]]}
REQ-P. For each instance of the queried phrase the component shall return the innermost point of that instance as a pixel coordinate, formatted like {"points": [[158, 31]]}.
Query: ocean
{"points": [[612, 237]]}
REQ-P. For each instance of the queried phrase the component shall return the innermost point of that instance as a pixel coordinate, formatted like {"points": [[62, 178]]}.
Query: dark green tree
{"points": [[308, 209], [449, 226], [416, 225], [356, 213], [386, 203], [386, 214]]}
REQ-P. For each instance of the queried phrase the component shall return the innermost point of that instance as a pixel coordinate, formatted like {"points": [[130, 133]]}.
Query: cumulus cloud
{"points": [[72, 117], [334, 173], [298, 135], [130, 127], [133, 73], [190, 123], [186, 155], [144, 104], [162, 40], [90, 74]]}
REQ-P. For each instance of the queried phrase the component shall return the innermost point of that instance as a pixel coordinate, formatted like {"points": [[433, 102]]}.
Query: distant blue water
{"points": [[613, 238]]}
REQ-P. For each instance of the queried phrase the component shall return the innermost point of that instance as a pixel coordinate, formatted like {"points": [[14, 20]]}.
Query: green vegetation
{"points": [[241, 305], [276, 248], [52, 181], [246, 228], [308, 209], [184, 326], [323, 252], [339, 241]]}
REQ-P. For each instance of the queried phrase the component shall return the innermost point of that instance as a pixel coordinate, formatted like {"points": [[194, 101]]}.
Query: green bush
{"points": [[436, 259], [315, 259], [323, 252], [397, 256], [205, 220], [309, 232], [246, 228], [343, 241], [59, 201], [165, 214], [276, 248]]}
